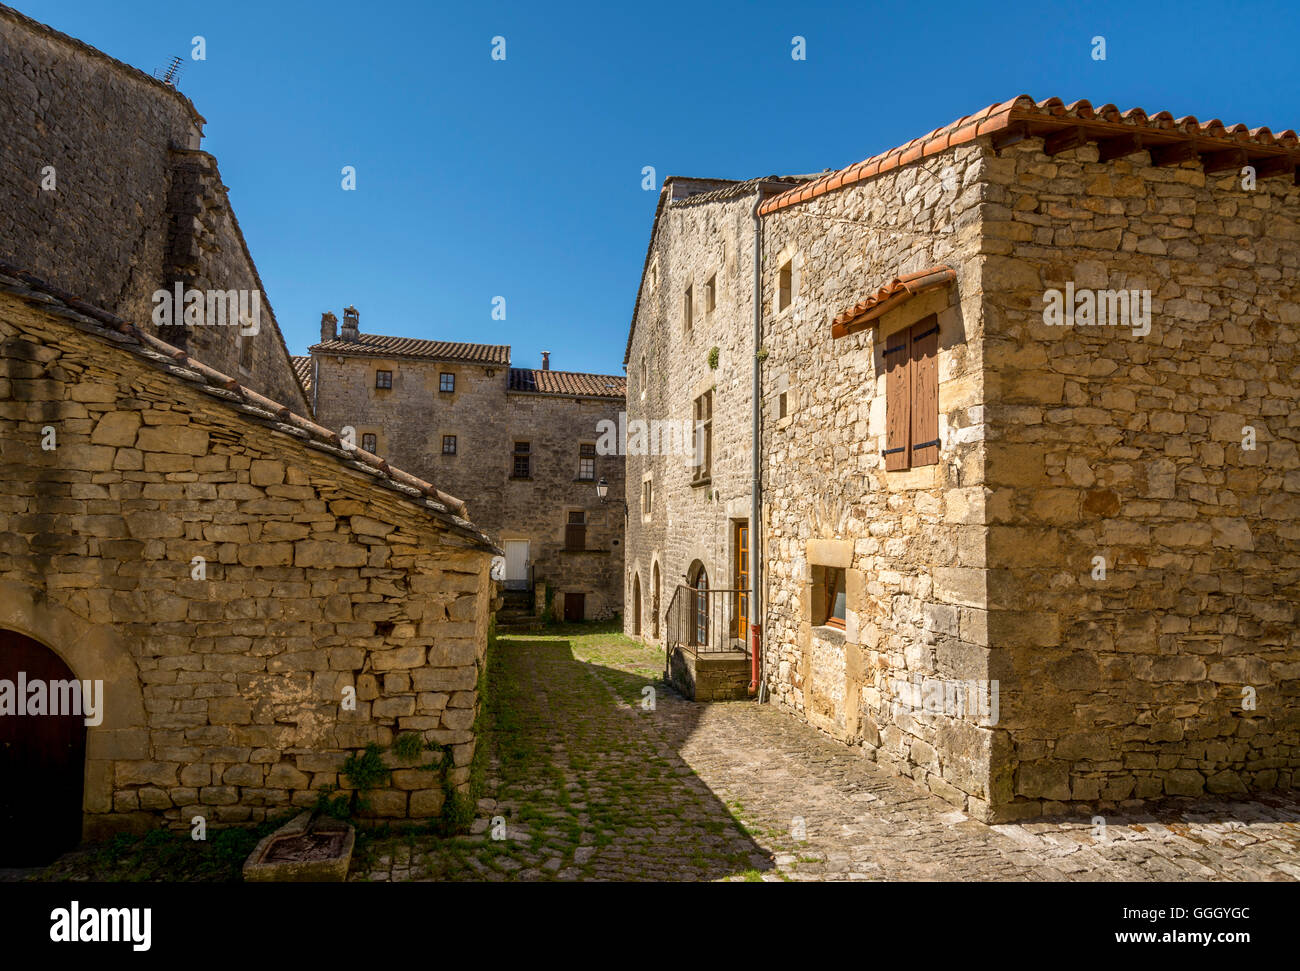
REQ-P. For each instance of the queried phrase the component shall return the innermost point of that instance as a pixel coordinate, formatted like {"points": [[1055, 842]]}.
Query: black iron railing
{"points": [[707, 621]]}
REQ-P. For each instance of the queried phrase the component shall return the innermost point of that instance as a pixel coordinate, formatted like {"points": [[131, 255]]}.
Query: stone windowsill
{"points": [[521, 478], [702, 481], [827, 633], [585, 549]]}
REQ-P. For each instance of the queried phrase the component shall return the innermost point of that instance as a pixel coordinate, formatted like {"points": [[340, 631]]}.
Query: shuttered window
{"points": [[912, 396], [575, 531]]}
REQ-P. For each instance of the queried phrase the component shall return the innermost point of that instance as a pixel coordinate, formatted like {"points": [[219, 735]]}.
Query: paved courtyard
{"points": [[584, 783]]}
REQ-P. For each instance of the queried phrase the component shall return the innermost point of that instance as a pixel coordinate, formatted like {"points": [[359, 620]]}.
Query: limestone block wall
{"points": [[912, 543], [691, 521], [135, 206], [1130, 448], [538, 508], [410, 419], [225, 689]]}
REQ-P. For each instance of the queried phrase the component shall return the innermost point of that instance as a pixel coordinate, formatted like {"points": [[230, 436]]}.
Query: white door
{"points": [[516, 564]]}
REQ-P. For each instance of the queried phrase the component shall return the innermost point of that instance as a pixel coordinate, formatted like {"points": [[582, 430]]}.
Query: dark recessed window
{"points": [[587, 463], [383, 379], [711, 294], [246, 352], [448, 444], [828, 596], [523, 465], [703, 435], [446, 382], [575, 531], [369, 443], [785, 285]]}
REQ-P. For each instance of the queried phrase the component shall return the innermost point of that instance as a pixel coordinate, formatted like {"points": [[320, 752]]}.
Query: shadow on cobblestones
{"points": [[580, 783]]}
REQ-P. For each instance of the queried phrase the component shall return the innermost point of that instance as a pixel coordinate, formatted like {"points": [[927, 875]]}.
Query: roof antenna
{"points": [[172, 72]]}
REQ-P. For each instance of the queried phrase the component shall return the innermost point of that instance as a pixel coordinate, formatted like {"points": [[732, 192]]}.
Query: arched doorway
{"points": [[42, 753], [698, 578], [636, 605], [654, 603]]}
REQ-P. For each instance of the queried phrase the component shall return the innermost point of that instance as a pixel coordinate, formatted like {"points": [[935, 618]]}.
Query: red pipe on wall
{"points": [[756, 647]]}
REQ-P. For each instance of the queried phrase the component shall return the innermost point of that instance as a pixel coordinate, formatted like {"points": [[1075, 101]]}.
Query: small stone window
{"points": [[246, 352], [703, 436], [782, 405], [575, 531], [587, 462], [647, 496], [384, 379], [828, 597], [643, 377], [688, 307], [446, 382], [711, 294], [370, 443], [523, 461], [448, 444], [785, 285]]}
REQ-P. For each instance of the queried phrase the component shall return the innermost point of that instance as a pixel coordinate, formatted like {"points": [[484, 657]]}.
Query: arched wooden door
{"points": [[636, 605], [654, 604], [42, 757]]}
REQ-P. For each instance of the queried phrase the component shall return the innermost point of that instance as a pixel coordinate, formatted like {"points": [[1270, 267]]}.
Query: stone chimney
{"points": [[329, 326], [351, 324], [546, 360]]}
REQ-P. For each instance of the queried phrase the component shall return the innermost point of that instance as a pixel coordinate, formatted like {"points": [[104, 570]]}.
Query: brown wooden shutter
{"points": [[575, 531], [898, 400], [925, 392]]}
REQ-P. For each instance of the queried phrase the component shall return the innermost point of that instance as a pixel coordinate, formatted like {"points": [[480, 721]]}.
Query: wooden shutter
{"points": [[925, 392], [575, 531], [898, 400]]}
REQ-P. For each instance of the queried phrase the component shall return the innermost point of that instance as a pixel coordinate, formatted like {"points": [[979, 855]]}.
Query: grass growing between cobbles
{"points": [[577, 778]]}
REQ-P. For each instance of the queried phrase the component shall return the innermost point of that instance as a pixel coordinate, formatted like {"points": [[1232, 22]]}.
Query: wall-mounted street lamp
{"points": [[602, 493]]}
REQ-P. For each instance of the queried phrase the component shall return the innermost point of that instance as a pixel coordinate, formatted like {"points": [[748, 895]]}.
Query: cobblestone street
{"points": [[592, 786]]}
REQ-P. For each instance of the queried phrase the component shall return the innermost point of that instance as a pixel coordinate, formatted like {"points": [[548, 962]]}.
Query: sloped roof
{"points": [[255, 408], [889, 296], [1118, 133], [568, 383], [379, 345], [726, 189], [302, 368]]}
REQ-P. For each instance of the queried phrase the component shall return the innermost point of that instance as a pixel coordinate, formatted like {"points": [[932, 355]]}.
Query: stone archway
{"points": [[636, 605], [93, 652], [654, 602], [42, 752]]}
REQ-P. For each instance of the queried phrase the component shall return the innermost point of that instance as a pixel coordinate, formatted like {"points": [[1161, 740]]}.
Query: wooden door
{"points": [[636, 606], [742, 580], [42, 761], [516, 564], [575, 607]]}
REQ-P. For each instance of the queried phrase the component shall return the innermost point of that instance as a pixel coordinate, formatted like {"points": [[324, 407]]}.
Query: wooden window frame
{"points": [[575, 530], [523, 451], [703, 414], [379, 380], [832, 582], [587, 462], [448, 440], [911, 365], [370, 443], [446, 382]]}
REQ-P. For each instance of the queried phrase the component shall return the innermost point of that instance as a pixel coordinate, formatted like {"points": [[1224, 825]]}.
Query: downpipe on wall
{"points": [[758, 657]]}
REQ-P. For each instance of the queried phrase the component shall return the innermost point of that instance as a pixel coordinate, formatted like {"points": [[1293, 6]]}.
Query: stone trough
{"points": [[295, 853]]}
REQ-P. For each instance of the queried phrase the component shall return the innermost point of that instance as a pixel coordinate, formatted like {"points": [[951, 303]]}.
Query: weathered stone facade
{"points": [[703, 232], [106, 192], [489, 408], [1176, 673], [225, 687]]}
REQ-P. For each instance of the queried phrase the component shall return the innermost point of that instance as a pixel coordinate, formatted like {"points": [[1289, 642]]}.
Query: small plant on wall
{"points": [[713, 358]]}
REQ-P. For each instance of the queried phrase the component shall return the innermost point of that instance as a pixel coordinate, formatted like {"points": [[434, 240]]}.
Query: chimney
{"points": [[546, 360], [351, 324], [329, 327]]}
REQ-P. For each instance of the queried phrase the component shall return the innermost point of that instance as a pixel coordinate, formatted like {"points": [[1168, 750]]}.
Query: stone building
{"points": [[1039, 560], [690, 354], [222, 599], [523, 442]]}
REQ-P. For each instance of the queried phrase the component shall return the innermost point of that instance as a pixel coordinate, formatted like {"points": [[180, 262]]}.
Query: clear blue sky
{"points": [[478, 178]]}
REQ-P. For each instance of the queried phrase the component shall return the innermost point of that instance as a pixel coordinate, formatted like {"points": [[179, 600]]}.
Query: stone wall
{"points": [[691, 521], [409, 422], [912, 543], [225, 690], [1127, 447], [135, 207]]}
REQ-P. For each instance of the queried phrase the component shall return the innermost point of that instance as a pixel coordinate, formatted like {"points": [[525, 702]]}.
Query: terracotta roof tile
{"points": [[1044, 117], [568, 383], [889, 296], [256, 408], [302, 368], [379, 345]]}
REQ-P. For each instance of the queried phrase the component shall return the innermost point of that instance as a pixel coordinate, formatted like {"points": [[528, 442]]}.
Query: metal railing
{"points": [[707, 621]]}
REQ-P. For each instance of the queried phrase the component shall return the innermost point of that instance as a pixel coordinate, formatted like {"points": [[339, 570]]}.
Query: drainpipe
{"points": [[758, 659]]}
